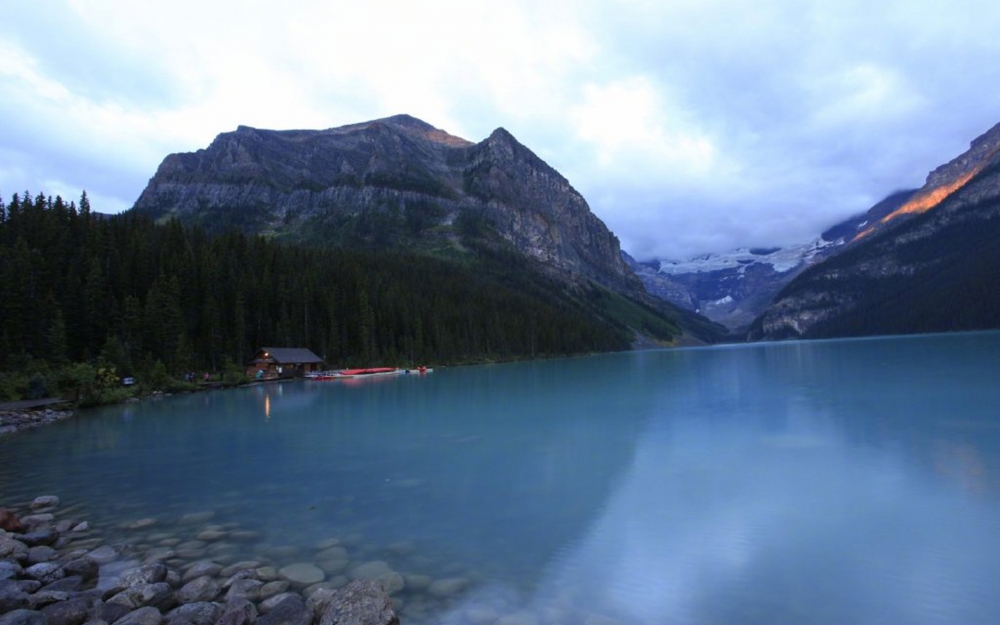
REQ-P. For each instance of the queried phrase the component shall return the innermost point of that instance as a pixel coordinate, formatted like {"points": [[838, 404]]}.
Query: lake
{"points": [[829, 482]]}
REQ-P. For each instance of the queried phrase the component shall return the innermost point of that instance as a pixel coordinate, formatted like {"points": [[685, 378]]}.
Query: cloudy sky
{"points": [[690, 126]]}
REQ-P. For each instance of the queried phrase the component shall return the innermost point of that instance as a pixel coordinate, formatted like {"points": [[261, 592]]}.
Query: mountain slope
{"points": [[399, 183], [391, 182], [733, 288], [730, 288], [930, 264]]}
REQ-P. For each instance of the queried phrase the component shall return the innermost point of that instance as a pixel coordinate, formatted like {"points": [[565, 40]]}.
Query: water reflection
{"points": [[786, 514], [837, 482]]}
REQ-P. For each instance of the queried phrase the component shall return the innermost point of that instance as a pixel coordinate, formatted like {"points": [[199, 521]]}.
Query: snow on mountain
{"points": [[731, 288], [780, 259]]}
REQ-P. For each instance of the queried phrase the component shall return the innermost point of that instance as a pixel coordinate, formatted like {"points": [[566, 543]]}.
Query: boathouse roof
{"points": [[289, 355]]}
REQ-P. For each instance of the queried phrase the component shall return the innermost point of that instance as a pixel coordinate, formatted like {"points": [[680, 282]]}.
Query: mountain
{"points": [[391, 182], [399, 183], [733, 288], [730, 288], [928, 264]]}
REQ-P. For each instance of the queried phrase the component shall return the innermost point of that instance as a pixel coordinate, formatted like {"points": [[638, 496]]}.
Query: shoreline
{"points": [[59, 570], [12, 421]]}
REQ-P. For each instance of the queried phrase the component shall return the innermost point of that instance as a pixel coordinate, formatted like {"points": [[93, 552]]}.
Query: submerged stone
{"points": [[23, 617], [201, 568], [362, 602], [198, 613], [290, 611], [302, 573], [241, 612], [448, 587], [71, 612], [199, 589], [12, 549], [9, 522], [142, 616], [103, 555], [45, 501], [45, 572]]}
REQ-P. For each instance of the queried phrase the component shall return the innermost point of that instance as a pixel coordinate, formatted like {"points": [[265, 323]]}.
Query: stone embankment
{"points": [[56, 570], [14, 420]]}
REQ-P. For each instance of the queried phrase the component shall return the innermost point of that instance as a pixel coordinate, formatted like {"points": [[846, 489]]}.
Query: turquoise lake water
{"points": [[810, 483]]}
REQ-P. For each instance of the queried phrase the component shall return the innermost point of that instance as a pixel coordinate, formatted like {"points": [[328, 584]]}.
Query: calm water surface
{"points": [[806, 483]]}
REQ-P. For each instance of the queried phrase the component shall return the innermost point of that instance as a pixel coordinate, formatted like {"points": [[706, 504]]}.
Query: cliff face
{"points": [[928, 265], [397, 181]]}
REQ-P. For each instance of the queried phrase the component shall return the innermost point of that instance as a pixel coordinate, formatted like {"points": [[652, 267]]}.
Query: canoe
{"points": [[367, 372], [355, 373]]}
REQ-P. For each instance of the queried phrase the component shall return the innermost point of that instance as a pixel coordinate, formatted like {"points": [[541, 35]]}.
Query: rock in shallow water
{"points": [[73, 583], [290, 611], [199, 613], [196, 517], [362, 602], [244, 590], [23, 617], [71, 612], [210, 535], [103, 555], [268, 604], [271, 589], [11, 549], [45, 501], [302, 573], [142, 616], [41, 553], [111, 612], [9, 522], [240, 612], [12, 597], [151, 573], [332, 553], [201, 568], [38, 519], [448, 587], [232, 569], [159, 596], [10, 569], [47, 536], [85, 567], [199, 589], [45, 572]]}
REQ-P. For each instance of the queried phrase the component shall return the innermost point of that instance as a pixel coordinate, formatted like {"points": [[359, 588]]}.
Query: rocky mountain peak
{"points": [[341, 181], [409, 126]]}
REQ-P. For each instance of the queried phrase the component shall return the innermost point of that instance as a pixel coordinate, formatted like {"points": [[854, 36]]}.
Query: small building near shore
{"points": [[283, 362]]}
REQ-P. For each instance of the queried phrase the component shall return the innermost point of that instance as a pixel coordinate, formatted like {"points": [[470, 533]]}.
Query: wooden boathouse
{"points": [[283, 362]]}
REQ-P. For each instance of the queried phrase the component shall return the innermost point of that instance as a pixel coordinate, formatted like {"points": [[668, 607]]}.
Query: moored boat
{"points": [[367, 372]]}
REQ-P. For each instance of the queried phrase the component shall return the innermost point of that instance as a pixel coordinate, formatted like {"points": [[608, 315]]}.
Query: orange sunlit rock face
{"points": [[923, 202]]}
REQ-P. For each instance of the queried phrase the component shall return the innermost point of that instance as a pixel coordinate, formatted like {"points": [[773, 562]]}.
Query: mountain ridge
{"points": [[931, 269], [397, 183], [272, 181]]}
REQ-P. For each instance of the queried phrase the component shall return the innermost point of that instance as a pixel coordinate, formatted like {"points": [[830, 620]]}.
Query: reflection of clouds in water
{"points": [[788, 527], [661, 543]]}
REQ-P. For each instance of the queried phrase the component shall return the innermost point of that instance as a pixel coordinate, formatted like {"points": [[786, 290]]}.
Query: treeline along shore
{"points": [[86, 299]]}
